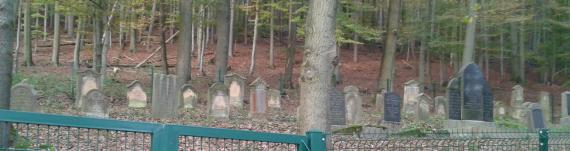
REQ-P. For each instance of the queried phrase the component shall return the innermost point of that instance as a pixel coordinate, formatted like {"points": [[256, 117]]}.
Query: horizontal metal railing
{"points": [[36, 131]]}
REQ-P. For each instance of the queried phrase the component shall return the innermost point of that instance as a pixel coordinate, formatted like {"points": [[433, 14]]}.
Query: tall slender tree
{"points": [[7, 21], [28, 61], [56, 37], [387, 65], [469, 49], [184, 55], [223, 43], [317, 67]]}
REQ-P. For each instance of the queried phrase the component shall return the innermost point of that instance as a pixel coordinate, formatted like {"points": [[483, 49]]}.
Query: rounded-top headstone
{"points": [[96, 104], [188, 96], [24, 98], [136, 95]]}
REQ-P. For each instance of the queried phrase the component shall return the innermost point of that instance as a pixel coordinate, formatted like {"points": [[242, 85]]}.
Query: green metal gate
{"points": [[35, 131]]}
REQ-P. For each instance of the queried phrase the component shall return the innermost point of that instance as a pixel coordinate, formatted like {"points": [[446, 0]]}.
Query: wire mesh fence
{"points": [[507, 140], [191, 143], [26, 136]]}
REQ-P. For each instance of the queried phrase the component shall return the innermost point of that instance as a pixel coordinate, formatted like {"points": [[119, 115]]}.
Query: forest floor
{"points": [[363, 74]]}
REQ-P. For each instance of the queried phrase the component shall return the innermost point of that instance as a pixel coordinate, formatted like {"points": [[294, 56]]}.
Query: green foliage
{"points": [[510, 124], [48, 85], [115, 89]]}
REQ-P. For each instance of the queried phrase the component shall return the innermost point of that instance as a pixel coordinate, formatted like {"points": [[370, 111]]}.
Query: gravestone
{"points": [[454, 96], [500, 110], [441, 107], [565, 108], [353, 104], [24, 98], [536, 118], [477, 103], [392, 107], [258, 98], [187, 96], [274, 98], [165, 104], [236, 87], [411, 102], [337, 107], [218, 101], [379, 102], [546, 105], [424, 107], [95, 104], [517, 96], [136, 95], [87, 80]]}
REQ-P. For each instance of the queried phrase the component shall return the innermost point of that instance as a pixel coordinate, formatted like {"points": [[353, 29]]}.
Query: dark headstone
{"points": [[392, 107], [536, 117], [454, 96], [165, 102], [477, 98], [337, 108]]}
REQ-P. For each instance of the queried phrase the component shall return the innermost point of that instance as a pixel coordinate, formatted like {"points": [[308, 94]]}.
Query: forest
{"points": [[300, 48]]}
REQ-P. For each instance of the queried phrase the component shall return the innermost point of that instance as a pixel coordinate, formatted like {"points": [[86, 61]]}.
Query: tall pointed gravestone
{"points": [[353, 104], [164, 91], [411, 102], [454, 99], [218, 101], [87, 80], [258, 98], [136, 95], [236, 86], [546, 104], [565, 108], [24, 98], [517, 99]]}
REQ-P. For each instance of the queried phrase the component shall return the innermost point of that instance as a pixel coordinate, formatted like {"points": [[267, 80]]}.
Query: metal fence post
{"points": [[317, 141], [543, 140], [164, 139]]}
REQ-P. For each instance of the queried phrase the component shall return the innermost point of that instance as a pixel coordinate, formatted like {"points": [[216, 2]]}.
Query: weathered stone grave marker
{"points": [[411, 102], [565, 108], [187, 96], [379, 102], [236, 85], [424, 106], [218, 101], [96, 104], [536, 117], [353, 104], [392, 107], [274, 98], [454, 96], [477, 98], [258, 98], [337, 107], [136, 95], [517, 99], [24, 98], [87, 80], [441, 107], [165, 104], [500, 110], [546, 105]]}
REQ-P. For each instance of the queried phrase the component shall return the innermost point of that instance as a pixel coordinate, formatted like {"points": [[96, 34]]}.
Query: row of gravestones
{"points": [[529, 112], [167, 98], [469, 98], [345, 108]]}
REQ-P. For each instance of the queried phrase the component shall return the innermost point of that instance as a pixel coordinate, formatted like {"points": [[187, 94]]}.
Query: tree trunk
{"points": [[184, 55], [515, 74], [223, 43], [246, 17], [132, 32], [46, 9], [17, 48], [291, 50], [151, 24], [69, 24], [28, 33], [317, 69], [231, 36], [522, 50], [387, 71], [502, 57], [7, 29], [271, 36], [255, 24], [76, 50], [55, 47], [162, 37], [469, 50], [201, 40]]}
